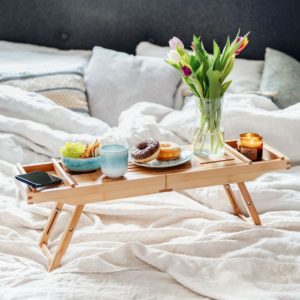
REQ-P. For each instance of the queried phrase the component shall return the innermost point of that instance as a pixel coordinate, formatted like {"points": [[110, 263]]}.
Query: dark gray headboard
{"points": [[121, 24]]}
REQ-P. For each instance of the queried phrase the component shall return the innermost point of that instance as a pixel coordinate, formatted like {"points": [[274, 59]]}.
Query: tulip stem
{"points": [[210, 127]]}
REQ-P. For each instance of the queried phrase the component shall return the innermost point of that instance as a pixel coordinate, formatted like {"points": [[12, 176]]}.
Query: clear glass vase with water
{"points": [[208, 140]]}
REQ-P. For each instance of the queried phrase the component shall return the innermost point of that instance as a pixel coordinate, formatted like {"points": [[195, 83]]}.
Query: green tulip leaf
{"points": [[225, 86], [173, 64], [199, 73], [216, 58], [228, 68], [225, 53], [191, 86], [215, 88], [180, 51], [198, 86], [194, 63]]}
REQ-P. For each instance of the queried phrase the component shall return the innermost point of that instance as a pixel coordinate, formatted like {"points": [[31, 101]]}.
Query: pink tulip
{"points": [[186, 71], [243, 45], [176, 42]]}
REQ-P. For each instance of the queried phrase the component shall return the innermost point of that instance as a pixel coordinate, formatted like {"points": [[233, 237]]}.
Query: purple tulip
{"points": [[186, 71], [176, 42]]}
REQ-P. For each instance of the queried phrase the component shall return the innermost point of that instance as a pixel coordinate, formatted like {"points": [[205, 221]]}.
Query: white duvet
{"points": [[163, 246]]}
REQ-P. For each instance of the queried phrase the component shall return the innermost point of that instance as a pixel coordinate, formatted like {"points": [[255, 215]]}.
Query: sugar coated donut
{"points": [[169, 151], [146, 150]]}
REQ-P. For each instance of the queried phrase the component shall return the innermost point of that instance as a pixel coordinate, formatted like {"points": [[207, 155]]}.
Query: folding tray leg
{"points": [[51, 223], [249, 203], [66, 238], [233, 201], [246, 198]]}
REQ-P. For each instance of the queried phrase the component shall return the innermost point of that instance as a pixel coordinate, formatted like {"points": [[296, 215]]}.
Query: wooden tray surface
{"points": [[94, 186]]}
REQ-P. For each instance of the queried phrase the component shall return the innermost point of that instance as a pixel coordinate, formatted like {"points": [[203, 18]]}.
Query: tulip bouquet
{"points": [[206, 77]]}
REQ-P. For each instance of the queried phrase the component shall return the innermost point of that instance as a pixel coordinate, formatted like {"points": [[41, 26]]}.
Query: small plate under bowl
{"points": [[82, 164], [185, 156]]}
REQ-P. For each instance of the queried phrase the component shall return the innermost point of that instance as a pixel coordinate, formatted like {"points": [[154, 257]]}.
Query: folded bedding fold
{"points": [[42, 127]]}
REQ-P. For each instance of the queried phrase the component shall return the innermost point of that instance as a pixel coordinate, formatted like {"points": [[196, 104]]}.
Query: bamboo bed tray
{"points": [[80, 189]]}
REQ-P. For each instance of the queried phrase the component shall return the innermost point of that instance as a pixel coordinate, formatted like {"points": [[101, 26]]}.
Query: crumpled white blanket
{"points": [[33, 128], [163, 246]]}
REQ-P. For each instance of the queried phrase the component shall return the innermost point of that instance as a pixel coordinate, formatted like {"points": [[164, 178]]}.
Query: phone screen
{"points": [[38, 179]]}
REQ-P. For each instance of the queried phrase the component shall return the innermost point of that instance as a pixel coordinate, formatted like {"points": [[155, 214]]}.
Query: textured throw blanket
{"points": [[162, 246]]}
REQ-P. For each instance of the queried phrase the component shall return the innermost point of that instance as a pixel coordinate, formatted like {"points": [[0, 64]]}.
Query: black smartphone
{"points": [[38, 179]]}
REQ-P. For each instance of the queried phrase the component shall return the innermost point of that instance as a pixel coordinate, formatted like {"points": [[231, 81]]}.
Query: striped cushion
{"points": [[65, 88]]}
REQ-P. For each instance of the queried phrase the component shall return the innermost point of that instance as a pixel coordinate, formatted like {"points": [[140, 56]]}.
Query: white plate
{"points": [[185, 156]]}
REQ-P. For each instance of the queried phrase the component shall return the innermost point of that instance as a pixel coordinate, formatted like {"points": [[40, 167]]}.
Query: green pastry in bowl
{"points": [[78, 157]]}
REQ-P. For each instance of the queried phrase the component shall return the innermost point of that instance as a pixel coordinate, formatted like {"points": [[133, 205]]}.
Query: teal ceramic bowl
{"points": [[82, 164]]}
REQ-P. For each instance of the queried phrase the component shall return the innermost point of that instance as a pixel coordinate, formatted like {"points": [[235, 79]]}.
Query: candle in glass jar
{"points": [[251, 145]]}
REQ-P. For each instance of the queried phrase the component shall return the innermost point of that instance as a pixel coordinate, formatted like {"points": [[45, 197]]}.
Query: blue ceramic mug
{"points": [[114, 160]]}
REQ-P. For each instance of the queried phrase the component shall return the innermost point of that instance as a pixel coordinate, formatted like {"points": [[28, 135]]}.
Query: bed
{"points": [[164, 246]]}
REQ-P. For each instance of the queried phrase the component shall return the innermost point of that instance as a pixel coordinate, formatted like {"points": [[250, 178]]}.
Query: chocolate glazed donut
{"points": [[146, 150]]}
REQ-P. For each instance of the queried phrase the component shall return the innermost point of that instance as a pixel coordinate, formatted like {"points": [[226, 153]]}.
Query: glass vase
{"points": [[208, 141]]}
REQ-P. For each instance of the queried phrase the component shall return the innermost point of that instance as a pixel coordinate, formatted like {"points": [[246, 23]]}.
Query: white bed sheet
{"points": [[163, 246]]}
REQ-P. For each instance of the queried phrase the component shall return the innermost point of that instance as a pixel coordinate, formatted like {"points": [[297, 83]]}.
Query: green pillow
{"points": [[281, 75]]}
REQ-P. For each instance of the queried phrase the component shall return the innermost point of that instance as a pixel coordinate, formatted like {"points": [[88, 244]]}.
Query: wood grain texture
{"points": [[232, 199], [94, 186], [233, 151], [66, 238], [249, 203], [67, 179], [51, 223]]}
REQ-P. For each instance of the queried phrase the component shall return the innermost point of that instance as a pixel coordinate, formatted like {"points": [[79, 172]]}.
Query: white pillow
{"points": [[18, 57], [246, 74], [55, 74], [149, 49], [115, 81]]}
